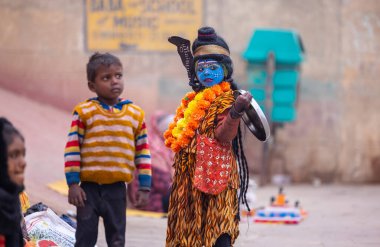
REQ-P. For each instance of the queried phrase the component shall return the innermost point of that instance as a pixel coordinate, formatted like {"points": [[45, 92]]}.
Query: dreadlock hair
{"points": [[237, 145], [100, 59]]}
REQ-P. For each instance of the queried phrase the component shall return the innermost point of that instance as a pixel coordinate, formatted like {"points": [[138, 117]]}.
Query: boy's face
{"points": [[108, 83], [16, 160]]}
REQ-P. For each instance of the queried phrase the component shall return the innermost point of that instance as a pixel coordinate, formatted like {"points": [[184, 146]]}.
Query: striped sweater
{"points": [[106, 144]]}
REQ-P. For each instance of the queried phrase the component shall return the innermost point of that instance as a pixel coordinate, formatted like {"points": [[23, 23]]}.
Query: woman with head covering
{"points": [[162, 162], [209, 163], [12, 167]]}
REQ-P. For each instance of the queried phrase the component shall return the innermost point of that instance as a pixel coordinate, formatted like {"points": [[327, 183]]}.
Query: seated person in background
{"points": [[12, 167], [162, 161]]}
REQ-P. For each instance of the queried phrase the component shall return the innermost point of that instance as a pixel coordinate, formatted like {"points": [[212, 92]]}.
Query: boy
{"points": [[107, 142]]}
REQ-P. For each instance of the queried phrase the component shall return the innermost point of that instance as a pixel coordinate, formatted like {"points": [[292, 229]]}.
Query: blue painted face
{"points": [[209, 72]]}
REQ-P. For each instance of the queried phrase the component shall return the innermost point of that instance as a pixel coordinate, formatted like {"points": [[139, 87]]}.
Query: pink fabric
{"points": [[162, 156], [162, 161]]}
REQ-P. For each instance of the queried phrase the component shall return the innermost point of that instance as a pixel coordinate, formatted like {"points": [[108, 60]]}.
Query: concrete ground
{"points": [[339, 215]]}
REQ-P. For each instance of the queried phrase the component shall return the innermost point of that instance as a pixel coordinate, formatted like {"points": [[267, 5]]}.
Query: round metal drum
{"points": [[255, 119]]}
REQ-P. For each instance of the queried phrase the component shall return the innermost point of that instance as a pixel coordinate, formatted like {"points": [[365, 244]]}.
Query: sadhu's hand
{"points": [[242, 102]]}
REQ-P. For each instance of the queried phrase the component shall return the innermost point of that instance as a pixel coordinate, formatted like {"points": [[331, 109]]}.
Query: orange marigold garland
{"points": [[189, 114]]}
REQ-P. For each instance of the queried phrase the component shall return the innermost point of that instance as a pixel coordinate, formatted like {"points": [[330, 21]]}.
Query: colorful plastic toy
{"points": [[280, 212]]}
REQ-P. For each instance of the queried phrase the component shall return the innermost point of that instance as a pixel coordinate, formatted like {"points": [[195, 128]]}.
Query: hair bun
{"points": [[206, 34], [207, 37]]}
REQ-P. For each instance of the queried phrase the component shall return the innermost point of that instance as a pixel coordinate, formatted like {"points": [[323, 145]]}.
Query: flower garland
{"points": [[189, 115]]}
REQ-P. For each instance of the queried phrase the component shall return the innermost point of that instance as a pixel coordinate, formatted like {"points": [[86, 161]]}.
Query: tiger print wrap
{"points": [[196, 219]]}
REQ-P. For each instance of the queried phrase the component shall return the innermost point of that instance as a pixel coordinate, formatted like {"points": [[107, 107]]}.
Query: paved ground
{"points": [[339, 215]]}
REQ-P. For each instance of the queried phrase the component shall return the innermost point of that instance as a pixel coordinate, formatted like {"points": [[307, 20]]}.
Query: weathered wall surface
{"points": [[336, 136], [359, 156]]}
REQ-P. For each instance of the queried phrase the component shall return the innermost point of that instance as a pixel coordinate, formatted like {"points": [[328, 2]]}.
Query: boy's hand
{"points": [[77, 196], [142, 198]]}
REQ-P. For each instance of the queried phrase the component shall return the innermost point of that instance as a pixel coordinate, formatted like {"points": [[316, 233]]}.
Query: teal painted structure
{"points": [[280, 96]]}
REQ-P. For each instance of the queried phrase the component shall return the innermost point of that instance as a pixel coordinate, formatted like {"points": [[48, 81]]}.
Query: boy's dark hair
{"points": [[99, 59]]}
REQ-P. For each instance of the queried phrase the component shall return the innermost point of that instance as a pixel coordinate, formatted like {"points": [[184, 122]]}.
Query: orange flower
{"points": [[183, 142], [209, 96], [193, 124], [204, 104], [172, 125], [167, 133], [198, 114], [225, 86], [189, 132], [175, 147], [168, 143], [217, 90], [179, 111], [190, 96]]}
